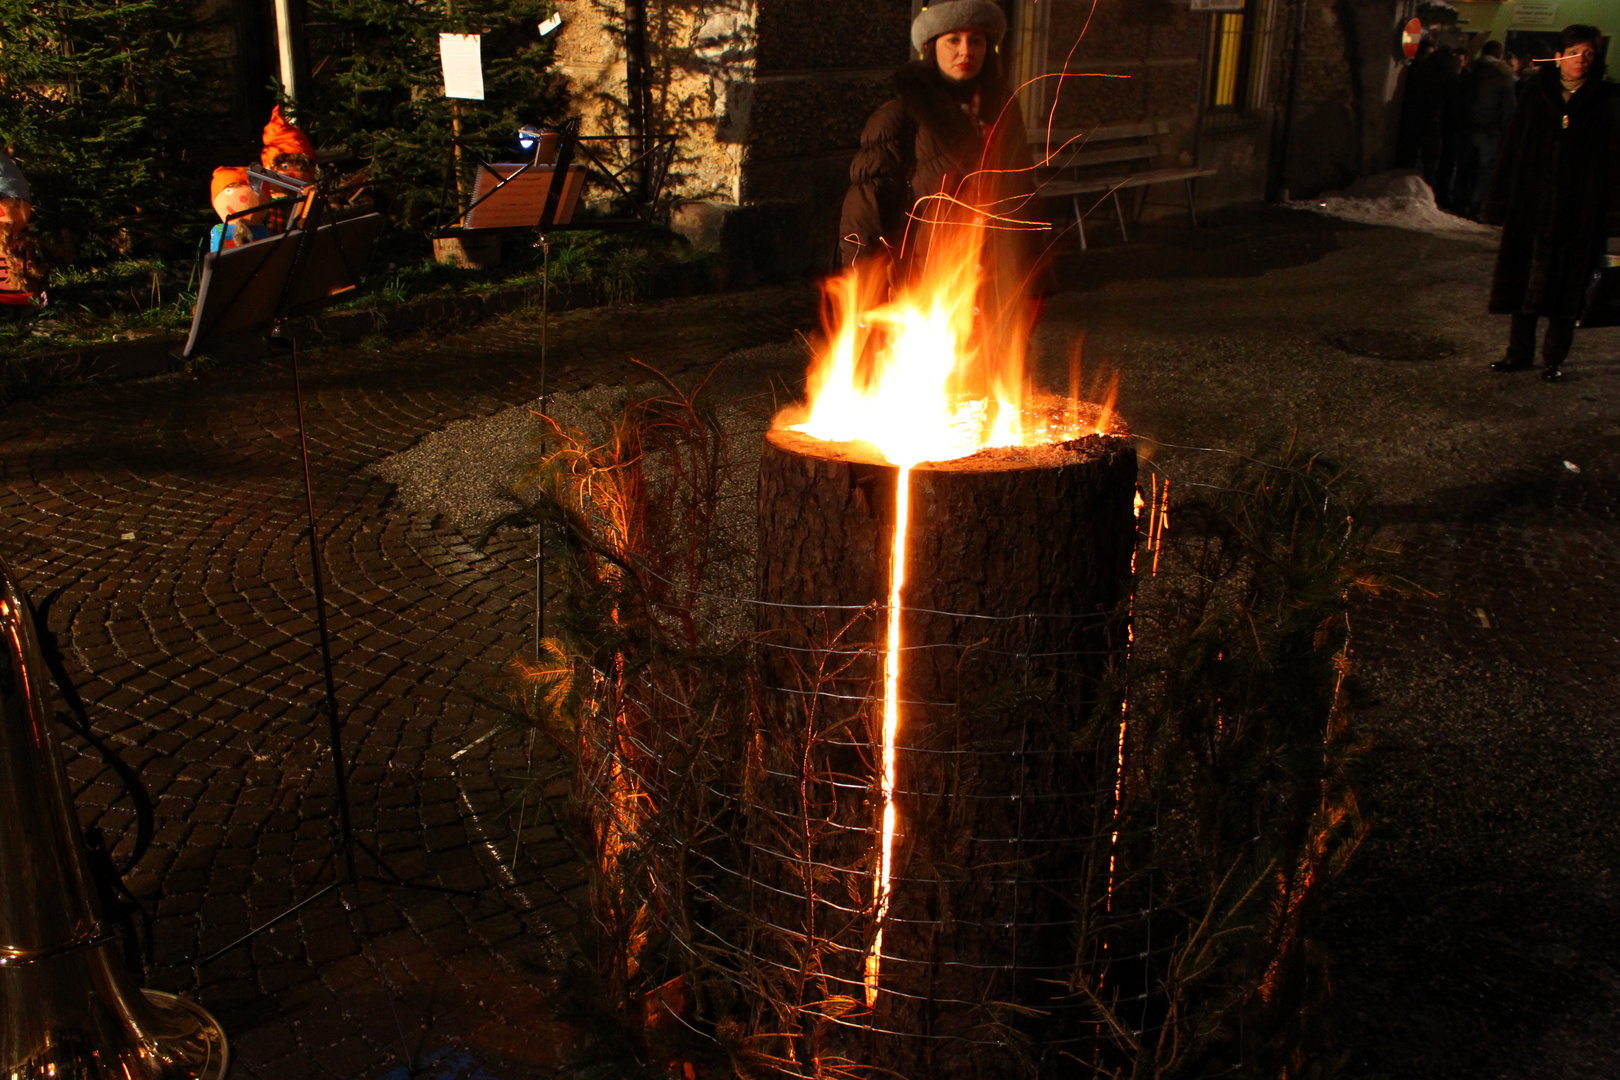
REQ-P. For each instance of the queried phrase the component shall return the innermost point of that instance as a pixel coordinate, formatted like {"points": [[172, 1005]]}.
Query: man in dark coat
{"points": [[1429, 83], [1416, 99], [950, 145], [1454, 176], [1495, 95], [1556, 195]]}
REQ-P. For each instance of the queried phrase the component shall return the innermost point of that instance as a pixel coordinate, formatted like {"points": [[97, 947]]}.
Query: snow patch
{"points": [[1398, 199]]}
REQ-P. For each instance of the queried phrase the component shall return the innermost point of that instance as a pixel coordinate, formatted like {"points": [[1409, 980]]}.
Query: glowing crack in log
{"points": [[926, 372], [891, 729]]}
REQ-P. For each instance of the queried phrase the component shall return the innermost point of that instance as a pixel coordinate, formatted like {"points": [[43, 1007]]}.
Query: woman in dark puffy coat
{"points": [[953, 130], [1556, 194]]}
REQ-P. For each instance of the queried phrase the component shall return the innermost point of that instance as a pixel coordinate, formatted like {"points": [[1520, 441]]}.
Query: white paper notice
{"points": [[1529, 14], [462, 57]]}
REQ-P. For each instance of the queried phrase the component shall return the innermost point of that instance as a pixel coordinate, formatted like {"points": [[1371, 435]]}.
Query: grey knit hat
{"points": [[942, 18]]}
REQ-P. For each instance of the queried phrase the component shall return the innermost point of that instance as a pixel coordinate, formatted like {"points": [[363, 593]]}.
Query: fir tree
{"points": [[378, 84], [99, 100]]}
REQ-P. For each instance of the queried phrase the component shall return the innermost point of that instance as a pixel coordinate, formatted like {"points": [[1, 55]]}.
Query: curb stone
{"points": [[159, 354]]}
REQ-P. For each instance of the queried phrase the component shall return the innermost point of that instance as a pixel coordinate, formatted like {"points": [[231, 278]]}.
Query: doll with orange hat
{"points": [[241, 210], [287, 153], [20, 280], [287, 150]]}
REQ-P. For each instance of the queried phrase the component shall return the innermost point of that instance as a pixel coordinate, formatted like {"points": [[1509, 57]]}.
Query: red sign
{"points": [[1411, 36]]}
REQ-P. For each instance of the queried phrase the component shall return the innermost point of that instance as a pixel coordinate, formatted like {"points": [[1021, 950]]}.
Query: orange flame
{"points": [[906, 375]]}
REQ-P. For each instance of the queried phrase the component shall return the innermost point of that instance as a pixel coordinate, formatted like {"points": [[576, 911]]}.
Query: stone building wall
{"points": [[1135, 60], [1347, 111], [824, 66], [1127, 60], [1325, 148], [766, 98], [700, 60]]}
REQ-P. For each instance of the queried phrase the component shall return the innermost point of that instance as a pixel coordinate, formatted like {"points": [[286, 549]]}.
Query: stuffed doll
{"points": [[287, 150], [232, 194], [19, 280]]}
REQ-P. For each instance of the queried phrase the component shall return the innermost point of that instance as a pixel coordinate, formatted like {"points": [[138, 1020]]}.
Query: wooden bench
{"points": [[1109, 160]]}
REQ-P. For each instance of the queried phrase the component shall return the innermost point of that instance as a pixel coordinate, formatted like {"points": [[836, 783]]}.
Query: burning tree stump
{"points": [[1015, 606]]}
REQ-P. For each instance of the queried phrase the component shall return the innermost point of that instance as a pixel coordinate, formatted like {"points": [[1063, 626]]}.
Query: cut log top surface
{"points": [[994, 459]]}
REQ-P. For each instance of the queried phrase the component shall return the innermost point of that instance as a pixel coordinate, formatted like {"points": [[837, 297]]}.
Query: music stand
{"points": [[249, 290], [241, 292], [559, 150], [259, 179], [513, 196]]}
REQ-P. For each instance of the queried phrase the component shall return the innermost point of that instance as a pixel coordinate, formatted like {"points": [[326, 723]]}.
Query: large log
{"points": [[1015, 606]]}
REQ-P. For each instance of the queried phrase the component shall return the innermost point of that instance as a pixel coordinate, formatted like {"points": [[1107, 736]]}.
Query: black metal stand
{"points": [[334, 726], [347, 840], [296, 296]]}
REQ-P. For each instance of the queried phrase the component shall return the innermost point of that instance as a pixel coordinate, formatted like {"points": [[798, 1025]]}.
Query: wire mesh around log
{"points": [[1007, 782], [724, 789]]}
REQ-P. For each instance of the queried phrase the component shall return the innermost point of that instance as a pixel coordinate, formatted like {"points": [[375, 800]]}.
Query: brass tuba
{"points": [[68, 1009]]}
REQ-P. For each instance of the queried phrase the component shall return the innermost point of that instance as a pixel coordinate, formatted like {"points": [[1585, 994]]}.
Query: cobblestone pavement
{"points": [[1476, 933], [1476, 936], [170, 514]]}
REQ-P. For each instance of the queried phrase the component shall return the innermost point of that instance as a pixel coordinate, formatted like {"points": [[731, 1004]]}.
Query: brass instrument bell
{"points": [[68, 1008]]}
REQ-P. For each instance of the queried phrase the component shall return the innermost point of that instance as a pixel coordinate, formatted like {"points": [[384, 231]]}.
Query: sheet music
{"points": [[461, 56]]}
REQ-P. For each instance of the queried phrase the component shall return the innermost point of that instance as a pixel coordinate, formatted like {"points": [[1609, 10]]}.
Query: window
{"points": [[1227, 59], [1239, 54], [1028, 34]]}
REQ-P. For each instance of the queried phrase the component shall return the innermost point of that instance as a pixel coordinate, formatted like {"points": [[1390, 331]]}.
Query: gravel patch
{"points": [[465, 472]]}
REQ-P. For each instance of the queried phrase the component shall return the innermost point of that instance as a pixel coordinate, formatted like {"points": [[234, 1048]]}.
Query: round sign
{"points": [[1411, 36]]}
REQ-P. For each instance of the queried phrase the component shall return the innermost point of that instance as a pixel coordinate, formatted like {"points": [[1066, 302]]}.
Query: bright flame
{"points": [[906, 375], [930, 369]]}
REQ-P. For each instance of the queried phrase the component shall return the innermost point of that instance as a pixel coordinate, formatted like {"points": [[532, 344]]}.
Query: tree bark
{"points": [[1016, 605]]}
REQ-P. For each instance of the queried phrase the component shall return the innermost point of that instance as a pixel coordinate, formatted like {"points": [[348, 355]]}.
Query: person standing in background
{"points": [[1491, 114], [1555, 196], [1428, 81], [951, 143], [1409, 142], [1523, 68], [1454, 179]]}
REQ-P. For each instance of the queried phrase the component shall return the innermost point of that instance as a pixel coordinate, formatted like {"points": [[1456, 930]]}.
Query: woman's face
{"points": [[1576, 61], [960, 54]]}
